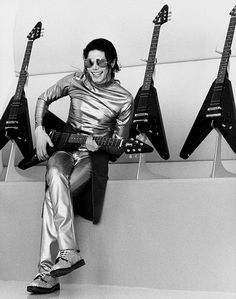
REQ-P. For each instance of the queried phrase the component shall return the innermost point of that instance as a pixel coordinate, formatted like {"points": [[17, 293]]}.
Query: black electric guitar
{"points": [[218, 109], [64, 137], [15, 122], [147, 113]]}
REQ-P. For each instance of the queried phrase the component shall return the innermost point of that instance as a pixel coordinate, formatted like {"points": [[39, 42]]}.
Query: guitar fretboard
{"points": [[226, 51], [68, 138], [151, 58], [23, 74], [101, 141], [149, 70], [219, 83], [16, 102]]}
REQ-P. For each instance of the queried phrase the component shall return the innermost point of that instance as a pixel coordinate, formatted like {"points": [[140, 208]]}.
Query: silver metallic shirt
{"points": [[94, 109]]}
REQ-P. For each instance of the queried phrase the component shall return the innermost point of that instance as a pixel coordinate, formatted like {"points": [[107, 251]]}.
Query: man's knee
{"points": [[59, 166]]}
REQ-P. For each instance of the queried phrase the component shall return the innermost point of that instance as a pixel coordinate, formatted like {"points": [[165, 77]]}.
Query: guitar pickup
{"points": [[140, 114], [214, 108], [213, 111]]}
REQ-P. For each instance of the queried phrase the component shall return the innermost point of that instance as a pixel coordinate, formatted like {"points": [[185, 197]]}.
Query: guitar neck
{"points": [[144, 95], [226, 51], [151, 59], [23, 75], [79, 139], [216, 99]]}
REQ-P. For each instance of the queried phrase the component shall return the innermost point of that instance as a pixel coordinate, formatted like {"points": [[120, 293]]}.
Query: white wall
{"points": [[7, 23], [196, 28], [7, 75]]}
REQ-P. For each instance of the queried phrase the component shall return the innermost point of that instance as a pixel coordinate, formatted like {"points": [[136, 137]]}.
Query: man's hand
{"points": [[91, 144], [42, 139]]}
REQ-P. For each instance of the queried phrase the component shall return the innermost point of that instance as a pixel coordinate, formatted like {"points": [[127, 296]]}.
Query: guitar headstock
{"points": [[35, 32], [162, 16], [233, 12], [135, 146]]}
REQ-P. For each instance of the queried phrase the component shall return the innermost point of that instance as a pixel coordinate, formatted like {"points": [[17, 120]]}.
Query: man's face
{"points": [[98, 73]]}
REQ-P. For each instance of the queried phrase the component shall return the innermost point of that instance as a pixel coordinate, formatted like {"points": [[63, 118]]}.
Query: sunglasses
{"points": [[102, 62]]}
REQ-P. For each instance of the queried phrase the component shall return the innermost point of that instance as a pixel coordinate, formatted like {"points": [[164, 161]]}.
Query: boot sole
{"points": [[40, 290], [64, 271]]}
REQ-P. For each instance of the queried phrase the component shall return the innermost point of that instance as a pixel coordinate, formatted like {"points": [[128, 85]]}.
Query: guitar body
{"points": [[50, 122], [53, 122], [151, 124], [224, 123], [17, 127]]}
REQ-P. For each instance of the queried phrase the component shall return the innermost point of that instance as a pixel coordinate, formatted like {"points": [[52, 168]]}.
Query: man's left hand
{"points": [[91, 144]]}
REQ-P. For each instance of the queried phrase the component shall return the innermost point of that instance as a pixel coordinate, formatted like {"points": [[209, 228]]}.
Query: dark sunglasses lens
{"points": [[88, 63], [102, 62]]}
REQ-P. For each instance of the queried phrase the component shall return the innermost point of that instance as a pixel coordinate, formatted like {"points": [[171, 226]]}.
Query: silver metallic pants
{"points": [[66, 173]]}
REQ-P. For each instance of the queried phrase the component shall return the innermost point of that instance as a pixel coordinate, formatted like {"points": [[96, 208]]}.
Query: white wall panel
{"points": [[195, 30]]}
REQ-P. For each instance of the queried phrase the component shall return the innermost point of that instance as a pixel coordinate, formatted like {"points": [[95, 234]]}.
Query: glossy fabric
{"points": [[66, 173], [99, 110]]}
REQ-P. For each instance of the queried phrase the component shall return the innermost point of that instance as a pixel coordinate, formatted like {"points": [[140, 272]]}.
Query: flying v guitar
{"points": [[218, 109], [15, 122], [147, 114], [64, 137]]}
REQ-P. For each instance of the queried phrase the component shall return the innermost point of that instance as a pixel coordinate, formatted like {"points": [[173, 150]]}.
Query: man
{"points": [[76, 179]]}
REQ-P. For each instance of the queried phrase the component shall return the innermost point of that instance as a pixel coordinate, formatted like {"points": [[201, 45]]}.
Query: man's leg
{"points": [[44, 282], [48, 244], [69, 258], [56, 214]]}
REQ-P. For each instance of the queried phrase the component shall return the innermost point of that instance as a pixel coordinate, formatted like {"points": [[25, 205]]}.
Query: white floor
{"points": [[17, 290]]}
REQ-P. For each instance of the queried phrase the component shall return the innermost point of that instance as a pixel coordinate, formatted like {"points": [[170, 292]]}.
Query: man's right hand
{"points": [[42, 139]]}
